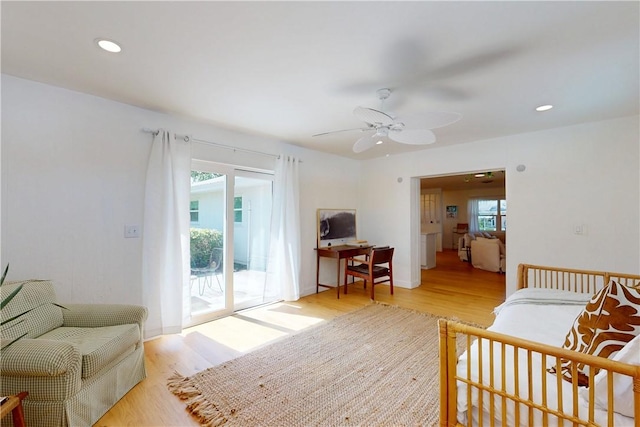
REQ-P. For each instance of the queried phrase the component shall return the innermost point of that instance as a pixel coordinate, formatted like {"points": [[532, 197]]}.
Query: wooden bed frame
{"points": [[533, 277]]}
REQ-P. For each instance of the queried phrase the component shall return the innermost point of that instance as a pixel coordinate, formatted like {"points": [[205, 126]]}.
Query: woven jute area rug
{"points": [[377, 366]]}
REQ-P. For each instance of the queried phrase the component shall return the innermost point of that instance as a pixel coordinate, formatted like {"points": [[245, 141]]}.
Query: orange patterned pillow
{"points": [[609, 321]]}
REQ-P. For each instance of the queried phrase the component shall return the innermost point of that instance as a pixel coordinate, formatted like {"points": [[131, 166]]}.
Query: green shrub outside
{"points": [[203, 240]]}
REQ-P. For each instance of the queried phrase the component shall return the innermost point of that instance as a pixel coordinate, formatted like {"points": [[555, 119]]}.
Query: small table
{"points": [[339, 253], [13, 406]]}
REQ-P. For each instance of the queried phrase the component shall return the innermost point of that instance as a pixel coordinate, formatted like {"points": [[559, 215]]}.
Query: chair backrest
{"points": [[215, 259], [462, 227], [381, 255]]}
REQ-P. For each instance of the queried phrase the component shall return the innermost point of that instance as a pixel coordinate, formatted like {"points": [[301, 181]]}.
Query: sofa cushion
{"points": [[98, 346]]}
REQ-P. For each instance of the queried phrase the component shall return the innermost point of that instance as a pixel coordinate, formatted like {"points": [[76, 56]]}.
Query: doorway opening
{"points": [[461, 202]]}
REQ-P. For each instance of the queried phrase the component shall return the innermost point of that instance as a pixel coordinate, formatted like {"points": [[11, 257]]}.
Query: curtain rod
{"points": [[187, 138]]}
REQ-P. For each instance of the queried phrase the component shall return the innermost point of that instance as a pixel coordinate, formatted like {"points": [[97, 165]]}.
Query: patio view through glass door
{"points": [[230, 214]]}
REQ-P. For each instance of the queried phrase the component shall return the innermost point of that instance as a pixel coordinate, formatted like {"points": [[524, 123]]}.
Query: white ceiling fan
{"points": [[413, 129]]}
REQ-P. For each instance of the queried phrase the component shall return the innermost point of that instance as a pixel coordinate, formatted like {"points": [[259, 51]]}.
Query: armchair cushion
{"points": [[98, 346]]}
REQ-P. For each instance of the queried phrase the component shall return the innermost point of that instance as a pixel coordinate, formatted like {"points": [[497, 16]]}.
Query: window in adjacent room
{"points": [[194, 210], [492, 215], [237, 209]]}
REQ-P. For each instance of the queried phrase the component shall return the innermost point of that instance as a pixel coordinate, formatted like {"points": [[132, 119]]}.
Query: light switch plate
{"points": [[131, 231]]}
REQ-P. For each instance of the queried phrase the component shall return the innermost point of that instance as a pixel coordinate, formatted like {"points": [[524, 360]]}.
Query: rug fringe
{"points": [[181, 386], [206, 412]]}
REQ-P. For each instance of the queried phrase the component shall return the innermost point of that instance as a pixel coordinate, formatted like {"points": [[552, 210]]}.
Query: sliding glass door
{"points": [[252, 222], [230, 226]]}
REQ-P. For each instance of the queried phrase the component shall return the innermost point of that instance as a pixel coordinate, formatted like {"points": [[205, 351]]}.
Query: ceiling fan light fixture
{"points": [[382, 132], [545, 107], [108, 45]]}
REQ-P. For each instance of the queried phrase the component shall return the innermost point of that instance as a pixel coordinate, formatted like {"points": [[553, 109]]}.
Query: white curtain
{"points": [[472, 210], [284, 259], [165, 243]]}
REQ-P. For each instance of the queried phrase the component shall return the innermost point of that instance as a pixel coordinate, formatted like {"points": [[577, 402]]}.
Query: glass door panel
{"points": [[251, 230], [208, 295]]}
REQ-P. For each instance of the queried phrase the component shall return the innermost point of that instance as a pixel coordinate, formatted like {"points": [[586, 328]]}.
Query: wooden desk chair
{"points": [[377, 265]]}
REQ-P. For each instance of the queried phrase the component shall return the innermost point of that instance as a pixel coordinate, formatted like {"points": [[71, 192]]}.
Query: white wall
{"points": [[73, 174], [585, 174]]}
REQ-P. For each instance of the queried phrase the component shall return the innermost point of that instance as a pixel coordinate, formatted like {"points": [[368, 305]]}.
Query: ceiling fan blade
{"points": [[412, 136], [342, 130], [364, 143], [431, 120], [375, 117]]}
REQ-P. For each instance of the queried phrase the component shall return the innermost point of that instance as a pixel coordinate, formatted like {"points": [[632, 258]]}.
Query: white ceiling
{"points": [[293, 69]]}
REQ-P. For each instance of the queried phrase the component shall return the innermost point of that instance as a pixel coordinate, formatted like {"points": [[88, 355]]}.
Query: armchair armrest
{"points": [[48, 369], [97, 315], [40, 358]]}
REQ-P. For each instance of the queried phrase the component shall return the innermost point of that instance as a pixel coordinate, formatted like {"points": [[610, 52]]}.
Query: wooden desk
{"points": [[14, 406], [339, 253]]}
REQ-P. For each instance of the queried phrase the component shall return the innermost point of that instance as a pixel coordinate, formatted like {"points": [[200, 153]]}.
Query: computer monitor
{"points": [[336, 227]]}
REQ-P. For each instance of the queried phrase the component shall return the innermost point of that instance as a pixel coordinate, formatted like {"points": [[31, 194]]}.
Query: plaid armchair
{"points": [[76, 363]]}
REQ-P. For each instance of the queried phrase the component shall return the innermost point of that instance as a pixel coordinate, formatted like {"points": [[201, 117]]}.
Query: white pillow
{"points": [[622, 384]]}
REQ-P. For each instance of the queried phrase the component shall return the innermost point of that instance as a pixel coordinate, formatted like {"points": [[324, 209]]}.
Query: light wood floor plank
{"points": [[454, 289]]}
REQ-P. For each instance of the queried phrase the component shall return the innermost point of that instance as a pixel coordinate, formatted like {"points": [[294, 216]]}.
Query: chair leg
{"points": [[219, 284], [201, 285]]}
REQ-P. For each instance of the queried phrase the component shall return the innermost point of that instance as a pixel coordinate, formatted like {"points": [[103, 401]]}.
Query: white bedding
{"points": [[538, 315]]}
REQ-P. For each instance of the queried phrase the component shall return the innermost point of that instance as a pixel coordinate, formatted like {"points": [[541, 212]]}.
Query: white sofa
{"points": [[486, 253]]}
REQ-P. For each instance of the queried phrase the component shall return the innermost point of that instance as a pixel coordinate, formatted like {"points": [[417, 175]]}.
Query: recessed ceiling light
{"points": [[479, 175], [546, 107], [379, 142], [109, 45]]}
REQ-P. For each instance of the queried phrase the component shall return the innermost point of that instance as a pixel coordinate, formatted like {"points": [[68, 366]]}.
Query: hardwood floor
{"points": [[454, 289]]}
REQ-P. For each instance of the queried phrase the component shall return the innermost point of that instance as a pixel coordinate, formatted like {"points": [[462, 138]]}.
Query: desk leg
{"points": [[338, 280], [317, 272], [346, 264]]}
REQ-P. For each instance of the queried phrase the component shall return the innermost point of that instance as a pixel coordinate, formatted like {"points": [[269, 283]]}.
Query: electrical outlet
{"points": [[580, 229], [131, 231]]}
